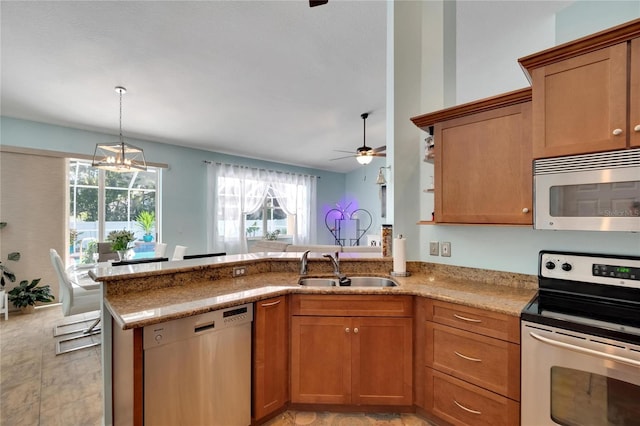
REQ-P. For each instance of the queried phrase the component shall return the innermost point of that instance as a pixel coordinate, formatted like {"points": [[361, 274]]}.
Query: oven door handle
{"points": [[586, 351]]}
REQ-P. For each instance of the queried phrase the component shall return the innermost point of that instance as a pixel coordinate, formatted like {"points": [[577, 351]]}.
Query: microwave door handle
{"points": [[616, 358]]}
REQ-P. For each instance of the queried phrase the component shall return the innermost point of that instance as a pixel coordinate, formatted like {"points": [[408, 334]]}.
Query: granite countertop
{"points": [[495, 291]]}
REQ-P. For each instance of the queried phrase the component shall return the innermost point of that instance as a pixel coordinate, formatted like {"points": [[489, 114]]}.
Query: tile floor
{"points": [[38, 387]]}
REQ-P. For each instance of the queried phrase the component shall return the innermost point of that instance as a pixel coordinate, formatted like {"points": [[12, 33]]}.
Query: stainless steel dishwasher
{"points": [[197, 370]]}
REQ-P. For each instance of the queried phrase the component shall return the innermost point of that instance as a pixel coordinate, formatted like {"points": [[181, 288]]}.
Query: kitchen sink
{"points": [[355, 282], [318, 282], [372, 282]]}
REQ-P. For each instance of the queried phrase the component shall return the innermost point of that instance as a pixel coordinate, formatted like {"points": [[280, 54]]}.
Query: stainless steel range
{"points": [[580, 342]]}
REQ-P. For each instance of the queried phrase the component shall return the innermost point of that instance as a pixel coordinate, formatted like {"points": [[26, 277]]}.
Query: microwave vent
{"points": [[586, 162]]}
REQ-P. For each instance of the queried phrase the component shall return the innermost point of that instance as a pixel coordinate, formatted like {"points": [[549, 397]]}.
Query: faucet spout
{"points": [[304, 262], [335, 261]]}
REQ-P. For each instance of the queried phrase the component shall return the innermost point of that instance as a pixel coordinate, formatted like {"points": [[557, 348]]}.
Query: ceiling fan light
{"points": [[364, 159]]}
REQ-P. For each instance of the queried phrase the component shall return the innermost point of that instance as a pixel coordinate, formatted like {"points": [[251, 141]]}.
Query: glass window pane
{"points": [[125, 196]]}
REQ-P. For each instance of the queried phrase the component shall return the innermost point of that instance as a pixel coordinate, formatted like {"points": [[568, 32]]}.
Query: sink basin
{"points": [[355, 282], [318, 282], [371, 282]]}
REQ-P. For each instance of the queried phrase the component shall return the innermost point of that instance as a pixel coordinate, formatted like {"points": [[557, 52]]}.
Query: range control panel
{"points": [[591, 268]]}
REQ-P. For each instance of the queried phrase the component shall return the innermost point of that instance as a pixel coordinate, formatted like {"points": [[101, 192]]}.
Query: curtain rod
{"points": [[257, 168]]}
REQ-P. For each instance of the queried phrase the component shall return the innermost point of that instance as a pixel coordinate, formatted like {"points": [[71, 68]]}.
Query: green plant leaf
{"points": [[3, 224], [15, 256]]}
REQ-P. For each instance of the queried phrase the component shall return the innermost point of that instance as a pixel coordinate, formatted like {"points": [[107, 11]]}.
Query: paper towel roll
{"points": [[399, 255]]}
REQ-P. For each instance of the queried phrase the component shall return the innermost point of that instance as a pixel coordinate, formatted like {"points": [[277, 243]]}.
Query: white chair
{"points": [[160, 250], [75, 300], [178, 253]]}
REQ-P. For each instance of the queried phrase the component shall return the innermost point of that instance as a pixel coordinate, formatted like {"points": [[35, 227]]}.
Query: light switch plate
{"points": [[445, 249], [434, 248]]}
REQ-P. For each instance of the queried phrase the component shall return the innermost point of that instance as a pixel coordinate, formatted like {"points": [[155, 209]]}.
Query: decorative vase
{"points": [[147, 238], [122, 255], [29, 309]]}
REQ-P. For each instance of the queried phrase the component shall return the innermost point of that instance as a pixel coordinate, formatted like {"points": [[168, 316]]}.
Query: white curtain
{"points": [[235, 191]]}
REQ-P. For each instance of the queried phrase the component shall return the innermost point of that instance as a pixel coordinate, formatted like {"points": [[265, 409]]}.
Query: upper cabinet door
{"points": [[483, 167], [634, 99], [580, 104]]}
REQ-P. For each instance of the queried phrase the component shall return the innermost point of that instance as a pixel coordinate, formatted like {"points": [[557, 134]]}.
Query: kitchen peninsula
{"points": [[154, 293]]}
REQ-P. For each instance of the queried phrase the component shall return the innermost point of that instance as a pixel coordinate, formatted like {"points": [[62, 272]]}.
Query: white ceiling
{"points": [[274, 80]]}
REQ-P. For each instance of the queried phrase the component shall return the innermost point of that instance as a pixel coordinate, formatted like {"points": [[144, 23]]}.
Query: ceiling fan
{"points": [[313, 3], [364, 154]]}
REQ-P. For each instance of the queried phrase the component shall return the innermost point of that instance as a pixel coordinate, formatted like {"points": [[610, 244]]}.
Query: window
{"points": [[102, 201], [270, 219], [249, 202]]}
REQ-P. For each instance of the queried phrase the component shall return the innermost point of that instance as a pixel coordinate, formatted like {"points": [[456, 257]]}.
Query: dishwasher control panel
{"points": [[184, 328]]}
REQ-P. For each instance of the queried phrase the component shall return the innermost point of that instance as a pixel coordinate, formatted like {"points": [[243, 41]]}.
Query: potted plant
{"points": [[26, 294], [120, 241], [146, 221], [5, 272]]}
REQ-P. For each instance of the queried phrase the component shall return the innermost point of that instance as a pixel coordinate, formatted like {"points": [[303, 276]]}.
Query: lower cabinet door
{"points": [[321, 360], [270, 356], [461, 403], [382, 361]]}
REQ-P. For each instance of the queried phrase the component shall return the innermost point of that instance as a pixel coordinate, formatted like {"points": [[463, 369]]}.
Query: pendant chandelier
{"points": [[118, 156]]}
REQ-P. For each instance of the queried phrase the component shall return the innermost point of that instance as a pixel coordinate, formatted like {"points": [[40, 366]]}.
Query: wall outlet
{"points": [[445, 250], [434, 248], [239, 271]]}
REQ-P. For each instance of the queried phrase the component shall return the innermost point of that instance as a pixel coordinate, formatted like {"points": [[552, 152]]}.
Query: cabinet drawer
{"points": [[492, 324], [349, 305], [490, 363], [461, 403]]}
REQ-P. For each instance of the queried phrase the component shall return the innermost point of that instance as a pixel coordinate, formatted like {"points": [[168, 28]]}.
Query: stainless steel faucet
{"points": [[335, 260], [303, 262]]}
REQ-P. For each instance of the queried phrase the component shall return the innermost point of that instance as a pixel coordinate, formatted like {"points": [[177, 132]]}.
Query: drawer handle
{"points": [[265, 305], [468, 358], [617, 132], [355, 330], [466, 319], [469, 410]]}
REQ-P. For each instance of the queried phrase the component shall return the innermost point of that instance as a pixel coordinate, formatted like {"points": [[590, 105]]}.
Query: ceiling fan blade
{"points": [[377, 154], [341, 158], [380, 148], [314, 3], [341, 150]]}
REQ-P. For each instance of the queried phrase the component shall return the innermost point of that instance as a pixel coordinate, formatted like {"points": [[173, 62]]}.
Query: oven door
{"points": [[570, 379], [596, 192]]}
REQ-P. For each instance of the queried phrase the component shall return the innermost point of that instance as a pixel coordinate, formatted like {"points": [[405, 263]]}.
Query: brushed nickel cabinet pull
{"points": [[355, 330], [468, 358], [637, 128], [347, 330], [617, 132], [265, 305], [460, 317], [466, 409]]}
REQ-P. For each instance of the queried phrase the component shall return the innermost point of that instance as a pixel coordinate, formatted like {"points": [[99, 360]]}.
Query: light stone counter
{"points": [[145, 294]]}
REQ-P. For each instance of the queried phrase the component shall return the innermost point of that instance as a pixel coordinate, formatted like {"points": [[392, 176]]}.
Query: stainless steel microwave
{"points": [[590, 192]]}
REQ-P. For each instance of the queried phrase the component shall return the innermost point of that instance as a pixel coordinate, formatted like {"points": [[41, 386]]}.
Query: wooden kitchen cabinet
{"points": [[634, 104], [344, 359], [586, 93], [483, 160], [471, 361], [270, 356]]}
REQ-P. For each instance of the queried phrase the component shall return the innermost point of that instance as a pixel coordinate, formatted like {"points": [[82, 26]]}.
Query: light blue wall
{"points": [[183, 183], [362, 190], [585, 17]]}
